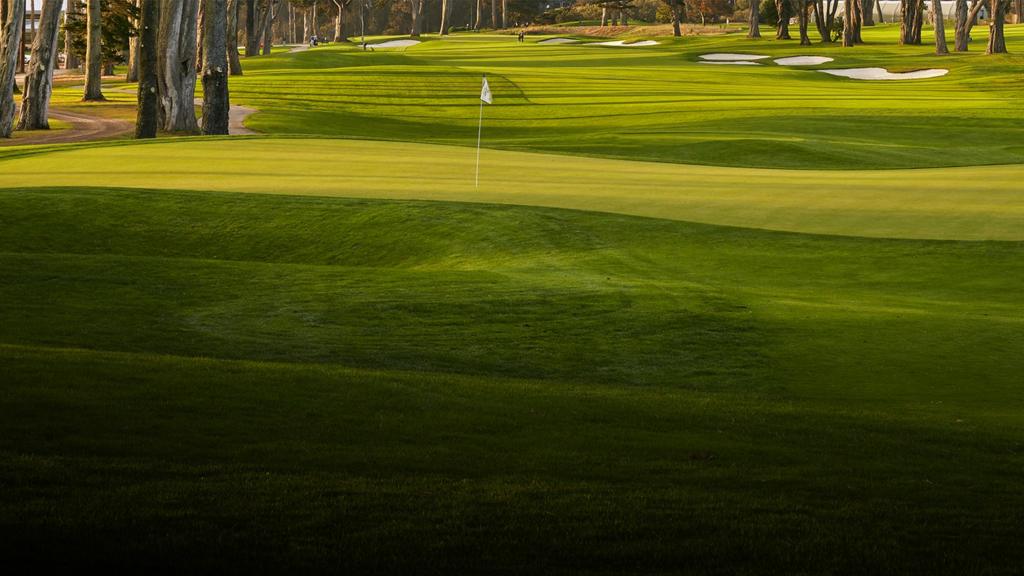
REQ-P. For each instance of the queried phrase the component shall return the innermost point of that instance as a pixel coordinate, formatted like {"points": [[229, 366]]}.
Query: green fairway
{"points": [[695, 358], [974, 203], [694, 319], [657, 102]]}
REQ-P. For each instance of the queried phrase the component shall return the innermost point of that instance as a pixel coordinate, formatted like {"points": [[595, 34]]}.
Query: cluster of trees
{"points": [[859, 13]]}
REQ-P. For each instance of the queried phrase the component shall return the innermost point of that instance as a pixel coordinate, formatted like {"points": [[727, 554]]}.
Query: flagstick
{"points": [[479, 133]]}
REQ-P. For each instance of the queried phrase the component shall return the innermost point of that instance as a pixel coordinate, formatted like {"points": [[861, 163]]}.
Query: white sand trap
{"points": [[395, 44], [726, 57], [803, 60], [883, 74], [558, 41], [732, 62], [623, 44]]}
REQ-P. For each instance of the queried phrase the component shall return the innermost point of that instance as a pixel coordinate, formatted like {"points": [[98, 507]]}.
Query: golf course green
{"points": [[693, 319]]}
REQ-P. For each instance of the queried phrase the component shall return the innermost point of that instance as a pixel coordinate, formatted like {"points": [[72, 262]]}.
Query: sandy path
{"points": [[83, 128]]}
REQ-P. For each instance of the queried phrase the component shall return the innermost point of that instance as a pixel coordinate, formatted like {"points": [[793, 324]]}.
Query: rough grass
{"points": [[225, 381]]}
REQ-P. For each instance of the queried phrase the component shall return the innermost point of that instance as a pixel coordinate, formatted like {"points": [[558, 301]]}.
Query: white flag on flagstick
{"points": [[485, 92]]}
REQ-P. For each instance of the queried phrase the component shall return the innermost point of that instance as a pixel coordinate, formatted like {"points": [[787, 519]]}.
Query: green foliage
{"points": [[118, 27]]}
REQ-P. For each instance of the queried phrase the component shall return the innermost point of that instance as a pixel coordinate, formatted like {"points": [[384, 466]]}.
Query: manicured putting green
{"points": [[974, 203]]}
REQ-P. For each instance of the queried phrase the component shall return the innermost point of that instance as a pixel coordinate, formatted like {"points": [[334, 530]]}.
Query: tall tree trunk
{"points": [[267, 33], [940, 29], [147, 117], [878, 7], [234, 62], [70, 60], [960, 26], [782, 25], [803, 11], [858, 19], [867, 8], [676, 7], [216, 105], [504, 11], [624, 16], [910, 26], [479, 14], [21, 49], [339, 22], [35, 104], [93, 53], [252, 42], [754, 19], [446, 6], [494, 14], [200, 32], [416, 12], [133, 52], [996, 38], [13, 28], [177, 58]]}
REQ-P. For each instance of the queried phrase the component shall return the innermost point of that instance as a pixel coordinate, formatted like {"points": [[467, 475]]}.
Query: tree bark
{"points": [[479, 14], [910, 26], [416, 11], [867, 8], [133, 51], [782, 25], [494, 14], [177, 64], [35, 103], [267, 31], [996, 38], [147, 117], [216, 105], [234, 62], [504, 10], [940, 29], [754, 20], [676, 7], [13, 28], [446, 6], [803, 9], [70, 60], [93, 53], [252, 42], [339, 23]]}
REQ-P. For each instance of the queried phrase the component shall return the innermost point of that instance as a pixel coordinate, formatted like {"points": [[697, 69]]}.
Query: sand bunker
{"points": [[623, 44], [733, 62], [395, 44], [558, 41], [803, 60], [726, 57], [883, 74]]}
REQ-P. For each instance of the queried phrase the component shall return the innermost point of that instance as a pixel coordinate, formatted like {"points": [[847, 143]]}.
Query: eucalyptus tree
{"points": [[678, 7], [148, 113], [996, 35], [177, 65], [35, 102], [231, 37], [964, 18], [339, 21], [93, 52], [803, 9], [754, 20], [416, 14], [940, 29], [10, 48], [913, 20], [782, 24], [446, 16], [825, 17], [216, 105]]}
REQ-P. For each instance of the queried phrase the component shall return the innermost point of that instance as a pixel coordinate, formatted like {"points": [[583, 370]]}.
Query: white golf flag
{"points": [[485, 92]]}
